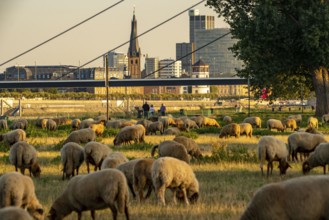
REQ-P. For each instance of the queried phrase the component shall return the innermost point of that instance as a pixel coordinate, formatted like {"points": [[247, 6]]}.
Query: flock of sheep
{"points": [[109, 186]]}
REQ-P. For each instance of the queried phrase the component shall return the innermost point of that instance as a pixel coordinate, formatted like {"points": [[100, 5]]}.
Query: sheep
{"points": [[298, 118], [14, 213], [325, 118], [273, 149], [114, 124], [191, 146], [3, 124], [171, 149], [227, 119], [72, 156], [24, 156], [232, 129], [93, 192], [169, 172], [303, 197], [145, 123], [51, 125], [312, 130], [171, 131], [102, 118], [199, 120], [134, 133], [303, 142], [290, 123], [320, 157], [18, 190], [75, 124], [95, 153], [81, 136], [154, 127], [98, 128], [275, 124], [143, 178], [179, 123], [41, 122], [128, 170], [246, 128], [14, 136], [211, 122], [114, 160], [188, 123], [19, 124], [254, 121], [62, 121], [313, 122], [165, 121]]}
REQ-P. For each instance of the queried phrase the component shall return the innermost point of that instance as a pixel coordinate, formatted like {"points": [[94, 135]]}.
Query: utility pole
{"points": [[107, 86]]}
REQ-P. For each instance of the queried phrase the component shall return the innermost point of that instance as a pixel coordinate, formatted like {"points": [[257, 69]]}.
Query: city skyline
{"points": [[93, 38]]}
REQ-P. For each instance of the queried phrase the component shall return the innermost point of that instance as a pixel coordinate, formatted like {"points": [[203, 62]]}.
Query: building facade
{"points": [[199, 22], [168, 68], [200, 70], [184, 54], [118, 60], [151, 68]]}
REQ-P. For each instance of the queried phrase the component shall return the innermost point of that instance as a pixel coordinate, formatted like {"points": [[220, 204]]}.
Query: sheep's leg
{"points": [[324, 169], [30, 171], [161, 195], [23, 170], [92, 213], [16, 168], [174, 196], [185, 196], [79, 215], [114, 211], [87, 167], [127, 212], [95, 168], [141, 186], [149, 191], [132, 190]]}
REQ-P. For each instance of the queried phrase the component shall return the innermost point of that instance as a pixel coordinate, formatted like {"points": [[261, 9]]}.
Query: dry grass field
{"points": [[227, 180]]}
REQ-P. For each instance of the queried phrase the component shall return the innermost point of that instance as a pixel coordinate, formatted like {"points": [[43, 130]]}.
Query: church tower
{"points": [[134, 52]]}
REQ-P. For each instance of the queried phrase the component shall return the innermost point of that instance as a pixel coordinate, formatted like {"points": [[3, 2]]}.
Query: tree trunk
{"points": [[321, 87]]}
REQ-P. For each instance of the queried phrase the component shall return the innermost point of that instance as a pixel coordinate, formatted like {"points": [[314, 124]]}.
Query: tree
{"points": [[283, 43]]}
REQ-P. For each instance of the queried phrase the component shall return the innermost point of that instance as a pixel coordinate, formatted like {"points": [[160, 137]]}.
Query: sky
{"points": [[27, 23]]}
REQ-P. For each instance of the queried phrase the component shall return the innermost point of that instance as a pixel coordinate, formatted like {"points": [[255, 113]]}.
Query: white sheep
{"points": [[199, 120], [325, 118], [191, 146], [143, 178], [171, 149], [128, 170], [290, 123], [154, 127], [51, 125], [81, 136], [19, 124], [246, 128], [72, 156], [303, 197], [127, 134], [232, 129], [169, 172], [272, 149], [227, 119], [320, 157], [303, 142], [313, 122], [254, 121], [14, 136], [95, 153], [24, 156], [86, 123], [93, 192], [75, 124], [275, 124], [172, 131], [298, 118], [18, 190], [3, 124], [114, 160], [14, 213]]}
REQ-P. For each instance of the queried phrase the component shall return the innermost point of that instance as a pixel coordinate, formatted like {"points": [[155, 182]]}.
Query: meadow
{"points": [[228, 174]]}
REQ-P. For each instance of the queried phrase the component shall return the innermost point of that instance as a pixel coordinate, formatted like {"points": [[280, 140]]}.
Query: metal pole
{"points": [[248, 96], [107, 86]]}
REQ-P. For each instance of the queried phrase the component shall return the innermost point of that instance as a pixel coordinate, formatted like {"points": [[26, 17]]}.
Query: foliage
{"points": [[110, 132], [190, 134], [136, 147]]}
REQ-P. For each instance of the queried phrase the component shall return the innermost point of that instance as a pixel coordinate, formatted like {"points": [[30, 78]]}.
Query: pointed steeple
{"points": [[134, 50]]}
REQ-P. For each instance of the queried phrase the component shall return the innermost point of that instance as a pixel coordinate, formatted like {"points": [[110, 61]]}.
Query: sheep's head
{"points": [[36, 170], [283, 166], [53, 215], [35, 210], [306, 167]]}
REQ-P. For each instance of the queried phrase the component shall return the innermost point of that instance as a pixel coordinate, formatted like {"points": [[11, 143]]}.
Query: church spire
{"points": [[134, 50]]}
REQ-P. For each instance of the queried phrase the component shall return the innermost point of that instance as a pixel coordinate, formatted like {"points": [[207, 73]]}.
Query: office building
{"points": [[183, 53], [168, 68], [199, 22], [151, 67]]}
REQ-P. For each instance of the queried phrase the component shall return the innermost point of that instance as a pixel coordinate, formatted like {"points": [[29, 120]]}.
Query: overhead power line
{"points": [[145, 32], [207, 44], [63, 32]]}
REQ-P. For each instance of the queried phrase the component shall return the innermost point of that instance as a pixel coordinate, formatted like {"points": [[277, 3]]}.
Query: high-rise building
{"points": [[134, 52], [118, 60], [199, 22], [151, 67], [168, 68], [220, 59], [182, 50]]}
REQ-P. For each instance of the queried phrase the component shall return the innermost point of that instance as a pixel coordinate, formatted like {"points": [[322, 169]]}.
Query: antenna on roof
{"points": [[134, 9]]}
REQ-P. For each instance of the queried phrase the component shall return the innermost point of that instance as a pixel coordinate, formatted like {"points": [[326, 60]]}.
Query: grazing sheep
{"points": [[72, 156], [227, 119], [93, 192], [199, 120], [127, 134], [211, 122], [14, 136], [189, 124], [275, 124], [171, 149], [320, 157], [128, 170], [171, 120], [232, 129], [325, 118], [312, 130], [313, 122], [95, 153], [114, 124], [24, 156], [51, 125], [114, 160], [154, 127], [18, 190], [145, 123], [14, 213], [303, 197], [86, 123], [143, 178], [303, 142], [81, 136], [254, 121], [191, 146], [290, 123], [44, 123], [165, 121], [179, 123], [298, 118], [3, 124], [171, 131], [98, 128], [19, 124], [62, 121], [246, 128], [102, 118], [75, 124], [272, 149], [169, 172]]}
